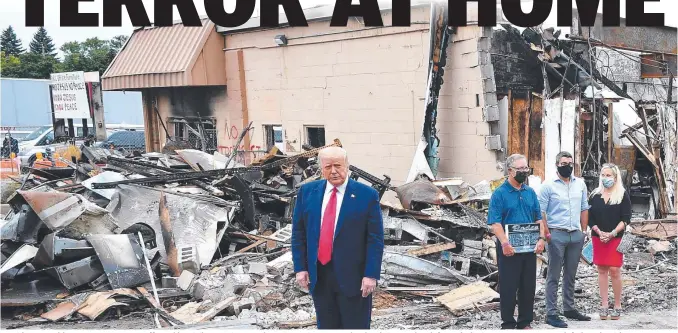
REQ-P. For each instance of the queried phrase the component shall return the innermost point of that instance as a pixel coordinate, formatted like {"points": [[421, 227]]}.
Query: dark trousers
{"points": [[517, 275], [333, 310]]}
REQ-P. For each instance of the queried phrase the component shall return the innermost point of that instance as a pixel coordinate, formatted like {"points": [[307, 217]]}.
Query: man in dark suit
{"points": [[338, 243]]}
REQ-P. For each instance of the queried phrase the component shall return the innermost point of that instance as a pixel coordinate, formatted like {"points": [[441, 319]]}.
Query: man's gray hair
{"points": [[510, 161], [333, 152], [561, 155]]}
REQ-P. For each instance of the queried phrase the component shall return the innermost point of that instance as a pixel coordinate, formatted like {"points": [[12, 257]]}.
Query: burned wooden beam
{"points": [[136, 165], [582, 63], [658, 168], [168, 236], [293, 159]]}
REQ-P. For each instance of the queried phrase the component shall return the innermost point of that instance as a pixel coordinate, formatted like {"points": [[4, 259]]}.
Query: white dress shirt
{"points": [[341, 189]]}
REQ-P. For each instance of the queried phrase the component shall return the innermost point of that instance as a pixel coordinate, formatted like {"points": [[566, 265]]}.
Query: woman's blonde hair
{"points": [[617, 191]]}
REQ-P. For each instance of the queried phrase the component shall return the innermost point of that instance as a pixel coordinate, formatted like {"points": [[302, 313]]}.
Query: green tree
{"points": [[10, 65], [42, 43], [37, 66], [10, 44], [92, 55]]}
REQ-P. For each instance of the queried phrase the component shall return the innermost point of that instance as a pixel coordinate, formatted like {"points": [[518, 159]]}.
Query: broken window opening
{"points": [[200, 133], [315, 136], [657, 65], [273, 134]]}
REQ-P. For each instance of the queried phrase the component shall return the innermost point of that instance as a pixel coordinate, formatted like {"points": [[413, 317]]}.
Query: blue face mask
{"points": [[607, 182]]}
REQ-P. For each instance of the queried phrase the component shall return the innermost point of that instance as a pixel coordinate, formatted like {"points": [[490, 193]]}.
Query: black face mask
{"points": [[565, 171], [521, 176]]}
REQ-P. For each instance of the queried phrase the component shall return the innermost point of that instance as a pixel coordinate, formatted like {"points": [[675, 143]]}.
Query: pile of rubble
{"points": [[201, 241]]}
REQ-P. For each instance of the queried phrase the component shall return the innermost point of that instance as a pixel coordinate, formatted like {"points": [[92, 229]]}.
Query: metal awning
{"points": [[179, 55]]}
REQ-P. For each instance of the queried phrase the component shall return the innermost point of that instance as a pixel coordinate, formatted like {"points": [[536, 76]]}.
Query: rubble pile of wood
{"points": [[191, 237]]}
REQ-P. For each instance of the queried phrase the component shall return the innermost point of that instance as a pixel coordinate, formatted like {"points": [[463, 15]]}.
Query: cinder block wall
{"points": [[463, 104], [366, 86]]}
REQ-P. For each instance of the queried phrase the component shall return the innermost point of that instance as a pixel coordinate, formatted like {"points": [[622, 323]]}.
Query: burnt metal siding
{"points": [[513, 68], [650, 39], [650, 68], [157, 57]]}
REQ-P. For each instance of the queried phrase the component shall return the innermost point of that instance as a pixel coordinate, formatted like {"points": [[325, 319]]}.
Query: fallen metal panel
{"points": [[24, 253], [32, 292], [122, 259], [56, 209], [104, 177], [411, 226], [247, 198], [55, 251], [472, 248], [456, 218], [420, 164], [201, 160], [77, 273], [23, 227], [54, 173], [408, 266], [194, 222], [422, 191], [98, 155]]}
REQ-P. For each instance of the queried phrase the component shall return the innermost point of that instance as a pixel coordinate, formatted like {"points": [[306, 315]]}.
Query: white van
{"points": [[43, 137]]}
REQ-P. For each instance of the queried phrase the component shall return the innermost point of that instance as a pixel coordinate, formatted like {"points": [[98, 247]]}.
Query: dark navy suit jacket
{"points": [[359, 236]]}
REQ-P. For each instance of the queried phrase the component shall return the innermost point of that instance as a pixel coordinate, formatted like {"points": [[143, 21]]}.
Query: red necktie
{"points": [[327, 230]]}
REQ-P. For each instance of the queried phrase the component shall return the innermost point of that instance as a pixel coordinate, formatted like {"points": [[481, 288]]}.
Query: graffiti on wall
{"points": [[244, 155]]}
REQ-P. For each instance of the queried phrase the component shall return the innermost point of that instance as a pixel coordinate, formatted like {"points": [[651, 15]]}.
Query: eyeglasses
{"points": [[522, 169], [566, 164]]}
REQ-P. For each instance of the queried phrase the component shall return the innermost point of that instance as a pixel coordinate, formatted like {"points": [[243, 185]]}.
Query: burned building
{"points": [[308, 85], [500, 91], [596, 93]]}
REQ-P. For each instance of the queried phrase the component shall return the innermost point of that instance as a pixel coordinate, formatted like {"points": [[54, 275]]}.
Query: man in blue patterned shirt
{"points": [[564, 205]]}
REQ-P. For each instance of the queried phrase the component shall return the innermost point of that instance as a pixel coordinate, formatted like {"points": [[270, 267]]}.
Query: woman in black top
{"points": [[609, 213]]}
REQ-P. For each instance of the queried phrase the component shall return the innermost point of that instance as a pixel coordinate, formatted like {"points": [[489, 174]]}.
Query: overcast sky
{"points": [[13, 13]]}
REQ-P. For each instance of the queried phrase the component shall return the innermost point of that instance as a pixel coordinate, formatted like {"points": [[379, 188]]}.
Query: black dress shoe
{"points": [[574, 314], [556, 322]]}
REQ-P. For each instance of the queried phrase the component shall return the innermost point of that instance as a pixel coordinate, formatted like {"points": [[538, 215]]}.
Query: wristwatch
{"points": [[544, 239]]}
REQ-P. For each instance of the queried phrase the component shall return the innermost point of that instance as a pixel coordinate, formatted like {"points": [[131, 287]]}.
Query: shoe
{"points": [[574, 314], [555, 321], [615, 314], [604, 313]]}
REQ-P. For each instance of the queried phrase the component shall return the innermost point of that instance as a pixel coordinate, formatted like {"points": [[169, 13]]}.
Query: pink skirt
{"points": [[605, 254]]}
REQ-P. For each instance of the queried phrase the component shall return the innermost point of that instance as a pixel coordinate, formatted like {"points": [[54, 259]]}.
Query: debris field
{"points": [[185, 239]]}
